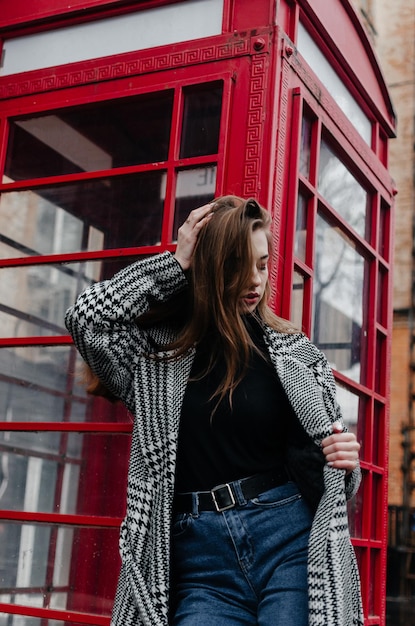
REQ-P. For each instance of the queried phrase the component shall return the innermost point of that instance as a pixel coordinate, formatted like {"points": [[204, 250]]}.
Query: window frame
{"points": [[179, 81], [303, 90]]}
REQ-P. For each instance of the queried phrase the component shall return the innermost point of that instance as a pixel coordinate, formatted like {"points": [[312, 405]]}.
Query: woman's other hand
{"points": [[341, 449], [188, 233]]}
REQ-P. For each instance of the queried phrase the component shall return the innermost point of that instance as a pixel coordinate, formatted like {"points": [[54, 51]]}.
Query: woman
{"points": [[240, 465]]}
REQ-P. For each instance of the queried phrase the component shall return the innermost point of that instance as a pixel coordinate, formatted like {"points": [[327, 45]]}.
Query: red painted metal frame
{"points": [[9, 342], [129, 65], [21, 17], [354, 49], [62, 519], [347, 46], [93, 255], [67, 427], [301, 85], [268, 84], [69, 617], [79, 95]]}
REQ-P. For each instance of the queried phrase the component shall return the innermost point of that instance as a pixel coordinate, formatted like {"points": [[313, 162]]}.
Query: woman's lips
{"points": [[251, 298]]}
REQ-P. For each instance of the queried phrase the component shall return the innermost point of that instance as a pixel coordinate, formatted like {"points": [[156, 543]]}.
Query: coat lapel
{"points": [[293, 357]]}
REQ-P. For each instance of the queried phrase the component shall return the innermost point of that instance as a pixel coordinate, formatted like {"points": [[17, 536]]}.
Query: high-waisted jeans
{"points": [[246, 566]]}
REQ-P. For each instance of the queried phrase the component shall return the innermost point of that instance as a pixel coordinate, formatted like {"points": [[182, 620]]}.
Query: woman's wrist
{"points": [[184, 264]]}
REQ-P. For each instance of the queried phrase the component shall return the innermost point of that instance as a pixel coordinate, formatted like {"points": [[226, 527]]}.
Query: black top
{"points": [[235, 442]]}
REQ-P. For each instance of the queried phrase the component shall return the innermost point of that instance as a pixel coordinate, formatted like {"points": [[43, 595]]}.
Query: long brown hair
{"points": [[221, 271], [210, 308]]}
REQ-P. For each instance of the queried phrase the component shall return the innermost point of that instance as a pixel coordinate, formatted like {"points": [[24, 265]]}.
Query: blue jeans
{"points": [[246, 566]]}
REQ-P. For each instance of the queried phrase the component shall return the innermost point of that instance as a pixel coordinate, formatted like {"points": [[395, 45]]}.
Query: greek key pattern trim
{"points": [[280, 164], [129, 64], [255, 125]]}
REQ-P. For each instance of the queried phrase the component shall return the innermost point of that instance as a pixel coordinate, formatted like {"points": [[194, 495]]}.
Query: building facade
{"points": [[116, 118]]}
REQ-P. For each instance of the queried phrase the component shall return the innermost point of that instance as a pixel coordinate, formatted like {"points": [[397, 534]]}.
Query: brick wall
{"points": [[399, 405]]}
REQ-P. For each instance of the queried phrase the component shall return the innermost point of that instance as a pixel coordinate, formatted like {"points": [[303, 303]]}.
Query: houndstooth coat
{"points": [[102, 325]]}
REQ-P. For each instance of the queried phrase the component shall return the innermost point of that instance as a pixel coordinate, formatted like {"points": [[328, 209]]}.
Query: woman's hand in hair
{"points": [[341, 449], [188, 234]]}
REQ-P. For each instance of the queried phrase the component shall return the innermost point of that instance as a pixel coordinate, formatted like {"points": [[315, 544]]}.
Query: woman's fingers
{"points": [[188, 233], [341, 450]]}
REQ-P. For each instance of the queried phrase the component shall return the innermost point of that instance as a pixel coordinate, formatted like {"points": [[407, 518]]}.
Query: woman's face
{"points": [[259, 272]]}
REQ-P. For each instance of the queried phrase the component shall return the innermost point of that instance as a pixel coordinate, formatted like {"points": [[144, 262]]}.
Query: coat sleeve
{"points": [[102, 320]]}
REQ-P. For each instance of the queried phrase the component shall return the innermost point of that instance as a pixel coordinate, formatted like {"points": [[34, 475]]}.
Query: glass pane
{"points": [[34, 299], [72, 473], [40, 368], [39, 384], [297, 300], [382, 297], [305, 147], [35, 383], [378, 488], [375, 600], [136, 30], [44, 384], [338, 291], [89, 138], [339, 187], [85, 215], [380, 435], [301, 228], [349, 404], [24, 620], [381, 361], [194, 188], [57, 567], [355, 508], [384, 230], [201, 120], [94, 409], [315, 58]]}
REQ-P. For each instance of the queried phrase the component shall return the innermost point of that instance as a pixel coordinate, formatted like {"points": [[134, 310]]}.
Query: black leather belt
{"points": [[224, 497]]}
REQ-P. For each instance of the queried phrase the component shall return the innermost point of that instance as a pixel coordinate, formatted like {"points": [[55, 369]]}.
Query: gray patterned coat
{"points": [[102, 325]]}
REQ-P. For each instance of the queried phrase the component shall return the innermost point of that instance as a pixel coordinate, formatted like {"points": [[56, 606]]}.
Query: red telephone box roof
{"points": [[336, 21], [341, 27]]}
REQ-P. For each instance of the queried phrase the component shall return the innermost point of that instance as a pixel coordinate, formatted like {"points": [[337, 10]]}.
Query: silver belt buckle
{"points": [[229, 506]]}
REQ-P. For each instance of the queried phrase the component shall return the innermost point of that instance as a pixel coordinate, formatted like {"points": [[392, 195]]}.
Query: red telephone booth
{"points": [[116, 118]]}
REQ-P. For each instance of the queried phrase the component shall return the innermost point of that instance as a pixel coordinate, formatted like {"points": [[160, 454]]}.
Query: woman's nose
{"points": [[255, 277]]}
